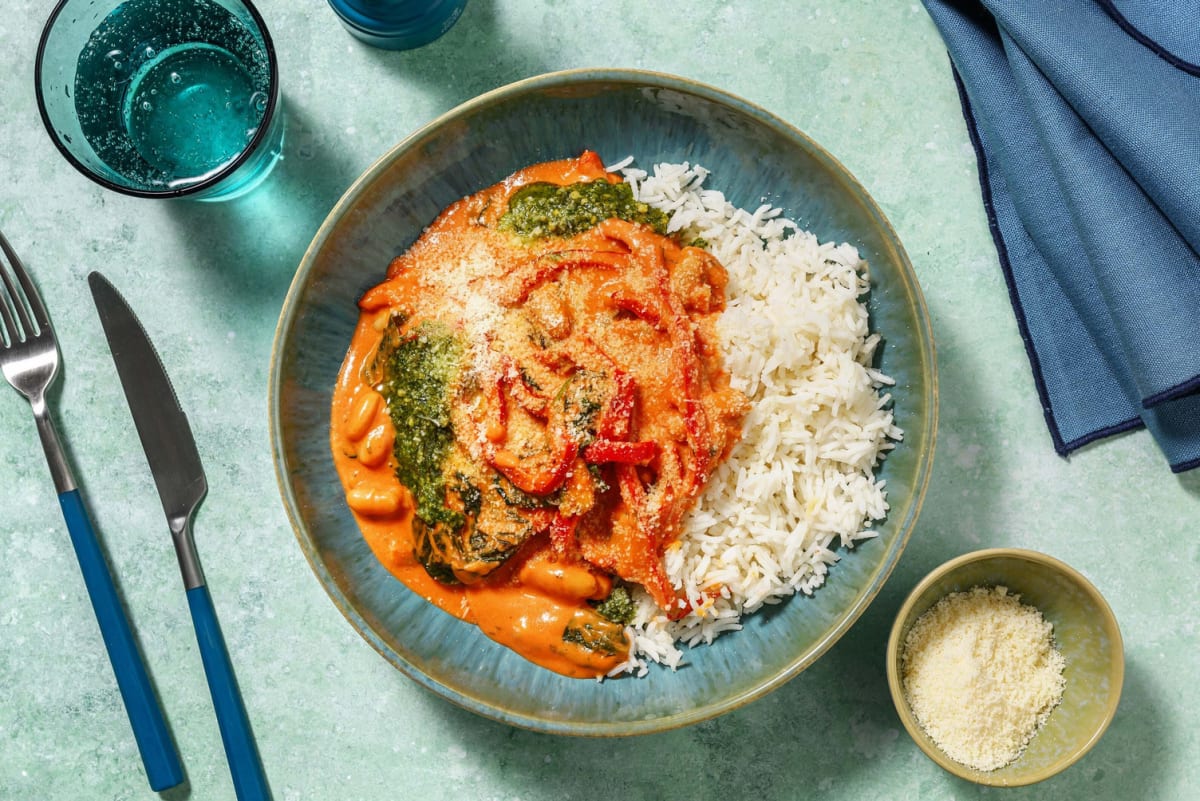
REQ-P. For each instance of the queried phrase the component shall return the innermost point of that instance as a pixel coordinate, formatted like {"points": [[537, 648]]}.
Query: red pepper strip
{"points": [[697, 429], [683, 345], [655, 526], [538, 482], [632, 491], [530, 401], [562, 532], [660, 589], [623, 231], [519, 389], [548, 266], [617, 417], [610, 258], [604, 451], [638, 307], [680, 609]]}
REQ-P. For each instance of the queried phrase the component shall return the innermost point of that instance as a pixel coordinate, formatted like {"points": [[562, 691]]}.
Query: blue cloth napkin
{"points": [[1085, 116]]}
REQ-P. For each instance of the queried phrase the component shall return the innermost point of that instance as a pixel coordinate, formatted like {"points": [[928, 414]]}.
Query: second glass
{"points": [[162, 98]]}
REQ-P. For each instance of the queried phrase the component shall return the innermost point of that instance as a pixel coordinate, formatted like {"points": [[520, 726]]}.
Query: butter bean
{"points": [[362, 415], [374, 501], [374, 449], [570, 582]]}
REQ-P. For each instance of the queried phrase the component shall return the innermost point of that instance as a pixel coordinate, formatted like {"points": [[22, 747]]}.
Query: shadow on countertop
{"points": [[254, 243], [832, 729], [469, 59]]}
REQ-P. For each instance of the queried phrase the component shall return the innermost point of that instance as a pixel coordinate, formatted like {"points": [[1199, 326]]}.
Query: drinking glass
{"points": [[397, 24], [162, 98]]}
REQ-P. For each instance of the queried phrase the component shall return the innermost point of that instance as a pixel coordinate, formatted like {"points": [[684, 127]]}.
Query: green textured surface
{"points": [[870, 82]]}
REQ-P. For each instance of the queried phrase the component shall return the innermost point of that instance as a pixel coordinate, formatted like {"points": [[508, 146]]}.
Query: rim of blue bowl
{"points": [[642, 78], [264, 128]]}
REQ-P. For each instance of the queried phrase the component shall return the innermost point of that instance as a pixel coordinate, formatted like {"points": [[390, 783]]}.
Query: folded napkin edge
{"points": [[1184, 467], [1062, 446], [1180, 390], [1146, 41]]}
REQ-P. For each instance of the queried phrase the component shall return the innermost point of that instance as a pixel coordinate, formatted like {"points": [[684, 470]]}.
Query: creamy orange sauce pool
{"points": [[585, 408]]}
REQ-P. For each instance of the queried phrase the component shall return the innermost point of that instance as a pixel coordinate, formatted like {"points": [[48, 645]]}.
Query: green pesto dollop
{"points": [[618, 606], [419, 370], [543, 209], [600, 636]]}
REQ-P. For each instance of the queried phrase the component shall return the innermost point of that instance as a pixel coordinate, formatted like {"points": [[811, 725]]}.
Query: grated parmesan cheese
{"points": [[982, 675]]}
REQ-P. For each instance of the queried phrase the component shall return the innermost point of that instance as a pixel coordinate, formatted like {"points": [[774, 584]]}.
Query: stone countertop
{"points": [[871, 82]]}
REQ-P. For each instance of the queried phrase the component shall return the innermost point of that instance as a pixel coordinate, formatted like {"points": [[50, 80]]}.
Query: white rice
{"points": [[801, 481]]}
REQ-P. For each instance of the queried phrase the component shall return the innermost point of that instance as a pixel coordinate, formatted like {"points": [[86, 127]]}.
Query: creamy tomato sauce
{"points": [[554, 403]]}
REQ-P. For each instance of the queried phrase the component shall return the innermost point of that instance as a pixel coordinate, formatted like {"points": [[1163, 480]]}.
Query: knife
{"points": [[175, 464]]}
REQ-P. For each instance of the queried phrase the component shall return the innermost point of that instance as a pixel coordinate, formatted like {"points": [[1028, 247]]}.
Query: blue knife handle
{"points": [[249, 780], [141, 704]]}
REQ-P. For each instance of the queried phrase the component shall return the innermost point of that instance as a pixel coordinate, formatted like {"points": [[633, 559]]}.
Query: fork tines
{"points": [[24, 316]]}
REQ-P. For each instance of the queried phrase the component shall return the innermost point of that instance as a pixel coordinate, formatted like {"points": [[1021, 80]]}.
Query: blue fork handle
{"points": [[249, 780], [141, 704]]}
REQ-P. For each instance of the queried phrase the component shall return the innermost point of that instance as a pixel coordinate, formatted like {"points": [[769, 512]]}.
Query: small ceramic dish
{"points": [[1085, 632], [754, 158]]}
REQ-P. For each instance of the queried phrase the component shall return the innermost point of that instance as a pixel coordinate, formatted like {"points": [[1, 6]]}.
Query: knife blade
{"points": [[161, 423], [178, 473]]}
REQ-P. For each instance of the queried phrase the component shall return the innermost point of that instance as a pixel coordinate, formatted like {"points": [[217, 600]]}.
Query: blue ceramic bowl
{"points": [[752, 155]]}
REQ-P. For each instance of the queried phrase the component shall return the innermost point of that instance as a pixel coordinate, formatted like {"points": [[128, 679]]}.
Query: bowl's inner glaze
{"points": [[754, 158]]}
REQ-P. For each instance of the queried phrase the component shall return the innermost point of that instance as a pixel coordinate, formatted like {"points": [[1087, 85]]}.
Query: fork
{"points": [[29, 361]]}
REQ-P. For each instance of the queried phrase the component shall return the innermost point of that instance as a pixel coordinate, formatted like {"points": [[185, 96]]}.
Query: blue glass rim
{"points": [[394, 30], [229, 169], [390, 24]]}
